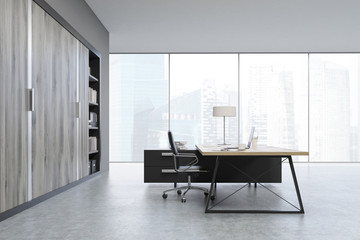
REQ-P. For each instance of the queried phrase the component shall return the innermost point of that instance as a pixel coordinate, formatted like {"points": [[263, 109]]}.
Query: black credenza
{"points": [[268, 168]]}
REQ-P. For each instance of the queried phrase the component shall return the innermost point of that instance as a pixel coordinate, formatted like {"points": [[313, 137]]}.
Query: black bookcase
{"points": [[94, 113]]}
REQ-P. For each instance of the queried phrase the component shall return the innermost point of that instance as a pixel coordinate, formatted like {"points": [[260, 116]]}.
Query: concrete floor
{"points": [[118, 205]]}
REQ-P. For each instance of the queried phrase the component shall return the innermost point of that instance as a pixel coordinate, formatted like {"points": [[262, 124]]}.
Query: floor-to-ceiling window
{"points": [[334, 107], [274, 99], [138, 104], [198, 82], [300, 101]]}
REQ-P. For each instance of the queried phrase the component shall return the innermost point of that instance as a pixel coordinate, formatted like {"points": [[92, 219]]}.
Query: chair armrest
{"points": [[186, 155]]}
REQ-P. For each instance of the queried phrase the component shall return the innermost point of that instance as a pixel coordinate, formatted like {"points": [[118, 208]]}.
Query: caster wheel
{"points": [[206, 193], [212, 197], [183, 200], [179, 192], [164, 196]]}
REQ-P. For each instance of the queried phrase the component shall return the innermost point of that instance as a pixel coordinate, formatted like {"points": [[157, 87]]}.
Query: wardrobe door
{"points": [[54, 76], [13, 114], [83, 90]]}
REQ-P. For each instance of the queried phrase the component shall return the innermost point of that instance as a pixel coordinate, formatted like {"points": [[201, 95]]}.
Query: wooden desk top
{"points": [[260, 150]]}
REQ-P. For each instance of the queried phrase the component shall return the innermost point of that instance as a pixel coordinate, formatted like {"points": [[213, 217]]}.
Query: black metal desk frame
{"points": [[208, 209]]}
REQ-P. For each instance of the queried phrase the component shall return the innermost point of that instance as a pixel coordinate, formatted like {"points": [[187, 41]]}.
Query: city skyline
{"points": [[191, 120]]}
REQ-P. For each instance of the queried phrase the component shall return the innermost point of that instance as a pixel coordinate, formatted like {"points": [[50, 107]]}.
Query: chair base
{"points": [[187, 188]]}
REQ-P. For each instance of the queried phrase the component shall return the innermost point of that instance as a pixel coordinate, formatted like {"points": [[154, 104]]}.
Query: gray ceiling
{"points": [[146, 23], [230, 25]]}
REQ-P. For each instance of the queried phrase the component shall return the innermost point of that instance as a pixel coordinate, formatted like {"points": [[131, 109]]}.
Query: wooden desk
{"points": [[259, 151]]}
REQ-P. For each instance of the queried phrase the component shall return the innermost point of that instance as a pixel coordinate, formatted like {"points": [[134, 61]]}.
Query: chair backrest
{"points": [[172, 144]]}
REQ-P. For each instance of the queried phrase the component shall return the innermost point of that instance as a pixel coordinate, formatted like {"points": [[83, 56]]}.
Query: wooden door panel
{"points": [[54, 76], [83, 138], [13, 115]]}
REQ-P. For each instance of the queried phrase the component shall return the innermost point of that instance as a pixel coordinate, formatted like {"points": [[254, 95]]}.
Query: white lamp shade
{"points": [[224, 111]]}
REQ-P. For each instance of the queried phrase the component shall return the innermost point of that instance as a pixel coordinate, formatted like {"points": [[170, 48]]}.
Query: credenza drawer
{"points": [[154, 158]]}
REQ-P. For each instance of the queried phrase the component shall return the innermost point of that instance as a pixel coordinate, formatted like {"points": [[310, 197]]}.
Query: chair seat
{"points": [[192, 168]]}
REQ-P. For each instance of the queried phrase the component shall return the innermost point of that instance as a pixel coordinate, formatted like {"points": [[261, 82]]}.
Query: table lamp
{"points": [[224, 111]]}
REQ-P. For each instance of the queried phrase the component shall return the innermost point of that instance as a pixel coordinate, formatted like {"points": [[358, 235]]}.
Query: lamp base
{"points": [[223, 144]]}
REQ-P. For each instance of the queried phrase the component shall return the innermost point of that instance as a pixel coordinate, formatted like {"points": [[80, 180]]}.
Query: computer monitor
{"points": [[250, 137]]}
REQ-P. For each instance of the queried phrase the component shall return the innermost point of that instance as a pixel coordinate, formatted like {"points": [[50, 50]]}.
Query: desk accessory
{"points": [[254, 142], [224, 111]]}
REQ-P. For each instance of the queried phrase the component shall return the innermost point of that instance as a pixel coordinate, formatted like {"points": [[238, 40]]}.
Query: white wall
{"points": [[234, 26]]}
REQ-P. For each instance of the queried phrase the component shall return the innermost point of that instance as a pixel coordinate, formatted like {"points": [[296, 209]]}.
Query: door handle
{"points": [[77, 109], [31, 99]]}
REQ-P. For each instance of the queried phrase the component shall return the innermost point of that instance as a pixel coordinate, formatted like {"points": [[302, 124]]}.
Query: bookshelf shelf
{"points": [[93, 104], [93, 79], [93, 152]]}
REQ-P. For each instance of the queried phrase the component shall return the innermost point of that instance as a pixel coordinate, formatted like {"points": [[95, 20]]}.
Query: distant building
{"points": [[330, 112]]}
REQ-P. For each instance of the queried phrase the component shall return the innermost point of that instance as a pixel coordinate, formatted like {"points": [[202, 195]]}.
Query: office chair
{"points": [[188, 169]]}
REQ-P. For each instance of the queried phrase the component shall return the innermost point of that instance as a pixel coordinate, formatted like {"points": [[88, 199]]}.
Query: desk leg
{"points": [[211, 193], [301, 209], [296, 185]]}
